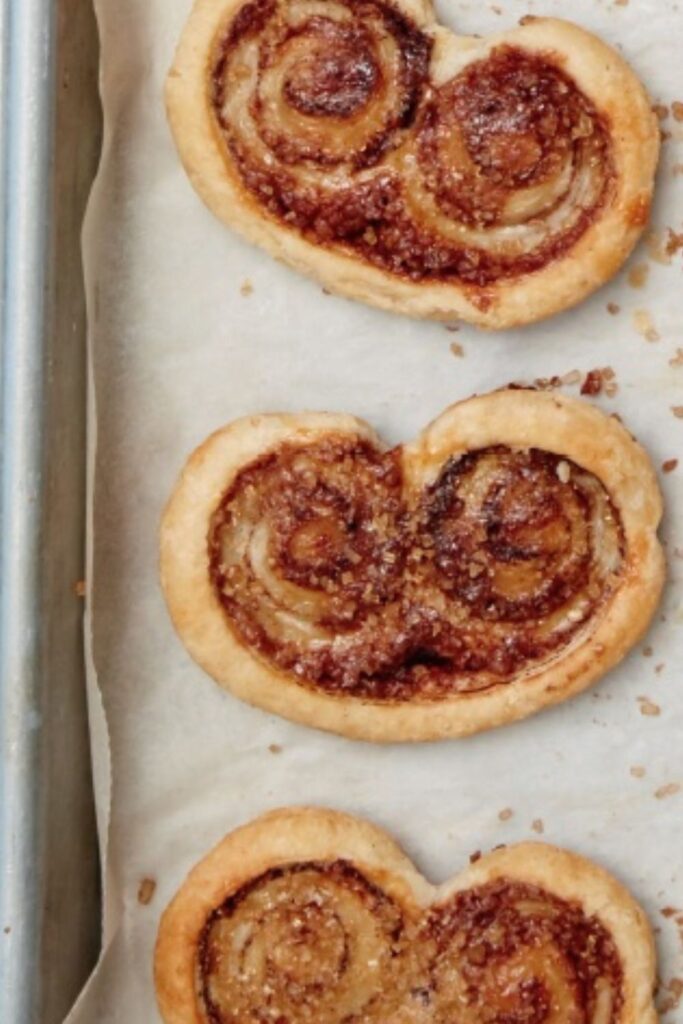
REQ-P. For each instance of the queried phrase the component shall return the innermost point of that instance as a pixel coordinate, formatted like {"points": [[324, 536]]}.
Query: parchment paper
{"points": [[177, 350]]}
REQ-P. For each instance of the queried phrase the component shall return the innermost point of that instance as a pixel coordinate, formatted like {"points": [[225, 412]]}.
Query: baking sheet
{"points": [[179, 347]]}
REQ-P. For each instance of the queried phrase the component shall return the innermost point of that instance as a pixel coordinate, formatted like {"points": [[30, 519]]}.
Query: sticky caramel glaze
{"points": [[319, 943], [512, 952], [312, 942], [324, 570], [334, 127]]}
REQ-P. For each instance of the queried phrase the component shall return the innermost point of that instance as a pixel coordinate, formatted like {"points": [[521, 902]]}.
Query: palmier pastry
{"points": [[496, 180], [313, 917], [498, 564]]}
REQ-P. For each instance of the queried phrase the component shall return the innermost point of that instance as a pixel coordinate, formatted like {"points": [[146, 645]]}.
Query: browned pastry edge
{"points": [[600, 73], [304, 835], [523, 419]]}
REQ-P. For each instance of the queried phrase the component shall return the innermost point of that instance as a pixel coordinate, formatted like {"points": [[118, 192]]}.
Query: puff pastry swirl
{"points": [[308, 915], [500, 563], [497, 180]]}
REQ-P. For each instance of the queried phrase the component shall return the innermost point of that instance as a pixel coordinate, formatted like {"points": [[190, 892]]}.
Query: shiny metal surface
{"points": [[49, 139]]}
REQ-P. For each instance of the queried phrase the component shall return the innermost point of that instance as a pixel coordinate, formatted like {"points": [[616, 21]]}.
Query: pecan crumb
{"points": [[669, 465], [677, 169], [146, 891], [677, 410], [80, 588], [453, 328], [474, 857], [457, 350], [247, 288], [637, 771], [538, 826], [660, 668], [505, 814], [275, 748], [613, 308], [677, 360], [648, 707], [670, 789], [677, 110], [660, 110], [669, 911], [592, 385], [647, 652]]}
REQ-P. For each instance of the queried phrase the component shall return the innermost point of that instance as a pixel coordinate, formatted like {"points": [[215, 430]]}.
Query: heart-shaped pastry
{"points": [[499, 180], [498, 564], [308, 916]]}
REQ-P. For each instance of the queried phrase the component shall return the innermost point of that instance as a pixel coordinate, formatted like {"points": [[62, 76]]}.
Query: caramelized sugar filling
{"points": [[324, 568], [329, 116], [318, 942]]}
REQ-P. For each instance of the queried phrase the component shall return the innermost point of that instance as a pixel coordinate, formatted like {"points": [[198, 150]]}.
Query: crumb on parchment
{"points": [[642, 321], [80, 588], [656, 242], [275, 748], [505, 814], [669, 465], [677, 410], [638, 771], [246, 288], [456, 349], [670, 789], [638, 275], [146, 891], [677, 359], [648, 707], [674, 242], [613, 308], [537, 826], [670, 996], [600, 379]]}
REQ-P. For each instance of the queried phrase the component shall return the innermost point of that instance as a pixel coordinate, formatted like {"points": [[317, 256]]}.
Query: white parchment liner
{"points": [[177, 350]]}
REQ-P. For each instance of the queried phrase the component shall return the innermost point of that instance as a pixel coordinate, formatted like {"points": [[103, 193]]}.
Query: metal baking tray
{"points": [[49, 144]]}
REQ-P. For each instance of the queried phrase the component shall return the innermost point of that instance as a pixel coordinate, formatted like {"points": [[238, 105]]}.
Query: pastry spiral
{"points": [[310, 915], [498, 180], [500, 563]]}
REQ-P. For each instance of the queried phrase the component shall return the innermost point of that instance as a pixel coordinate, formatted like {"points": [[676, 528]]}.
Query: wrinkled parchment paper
{"points": [[177, 350]]}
